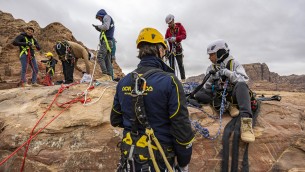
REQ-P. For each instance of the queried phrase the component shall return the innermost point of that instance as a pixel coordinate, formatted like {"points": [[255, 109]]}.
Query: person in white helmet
{"points": [[175, 33], [227, 68]]}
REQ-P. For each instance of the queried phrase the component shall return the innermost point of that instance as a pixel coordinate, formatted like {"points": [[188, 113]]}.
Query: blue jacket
{"points": [[108, 24], [165, 105]]}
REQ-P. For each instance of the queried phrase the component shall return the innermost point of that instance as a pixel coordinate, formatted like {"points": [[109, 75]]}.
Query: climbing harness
{"points": [[136, 147], [65, 52]]}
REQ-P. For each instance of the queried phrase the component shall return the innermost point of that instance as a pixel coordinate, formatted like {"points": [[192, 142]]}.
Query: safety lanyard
{"points": [[103, 36]]}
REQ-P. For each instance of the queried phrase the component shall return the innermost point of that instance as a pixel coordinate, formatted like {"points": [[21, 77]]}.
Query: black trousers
{"points": [[179, 59], [68, 70], [240, 95]]}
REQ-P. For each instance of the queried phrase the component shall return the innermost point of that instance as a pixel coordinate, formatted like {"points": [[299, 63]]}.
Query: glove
{"points": [[172, 39], [96, 27], [182, 169], [29, 44], [225, 72]]}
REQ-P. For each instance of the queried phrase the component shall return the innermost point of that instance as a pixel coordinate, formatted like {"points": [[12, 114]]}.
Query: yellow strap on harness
{"points": [[25, 48], [103, 36], [151, 136]]}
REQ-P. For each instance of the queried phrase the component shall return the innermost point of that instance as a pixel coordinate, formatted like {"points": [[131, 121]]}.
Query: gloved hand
{"points": [[172, 39], [225, 72], [182, 169], [29, 44], [96, 27]]}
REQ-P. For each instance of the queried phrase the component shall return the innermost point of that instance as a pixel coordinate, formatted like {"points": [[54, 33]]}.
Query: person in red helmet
{"points": [[175, 33]]}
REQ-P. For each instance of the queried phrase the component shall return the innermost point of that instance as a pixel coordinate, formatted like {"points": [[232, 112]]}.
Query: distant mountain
{"points": [[262, 79], [9, 55]]}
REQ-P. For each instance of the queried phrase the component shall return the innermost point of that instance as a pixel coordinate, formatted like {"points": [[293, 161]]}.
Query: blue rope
{"points": [[204, 131], [188, 87]]}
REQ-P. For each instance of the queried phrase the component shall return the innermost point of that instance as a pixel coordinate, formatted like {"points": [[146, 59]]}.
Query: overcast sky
{"points": [[257, 31]]}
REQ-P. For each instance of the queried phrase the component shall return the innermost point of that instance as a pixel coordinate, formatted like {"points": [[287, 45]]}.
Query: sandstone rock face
{"points": [[82, 139], [262, 79], [10, 66]]}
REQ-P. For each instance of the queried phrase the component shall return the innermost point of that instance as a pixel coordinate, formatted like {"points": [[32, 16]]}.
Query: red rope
{"points": [[32, 135]]}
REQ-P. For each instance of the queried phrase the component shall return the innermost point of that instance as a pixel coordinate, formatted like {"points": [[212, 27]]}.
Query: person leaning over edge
{"points": [[106, 37], [175, 33], [165, 105], [227, 67], [27, 43]]}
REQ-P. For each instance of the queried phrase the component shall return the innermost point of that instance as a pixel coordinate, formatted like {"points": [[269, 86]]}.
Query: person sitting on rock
{"points": [[27, 45], [69, 53], [227, 68]]}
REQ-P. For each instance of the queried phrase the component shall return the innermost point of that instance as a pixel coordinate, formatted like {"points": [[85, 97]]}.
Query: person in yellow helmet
{"points": [[50, 64], [151, 100]]}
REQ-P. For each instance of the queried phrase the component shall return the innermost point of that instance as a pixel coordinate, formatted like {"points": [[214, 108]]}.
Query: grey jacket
{"points": [[238, 74]]}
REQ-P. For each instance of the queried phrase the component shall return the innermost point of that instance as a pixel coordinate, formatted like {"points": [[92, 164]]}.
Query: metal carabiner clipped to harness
{"points": [[140, 85]]}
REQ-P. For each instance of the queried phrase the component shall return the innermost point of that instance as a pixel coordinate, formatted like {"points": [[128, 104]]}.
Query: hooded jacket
{"points": [[107, 24], [165, 105]]}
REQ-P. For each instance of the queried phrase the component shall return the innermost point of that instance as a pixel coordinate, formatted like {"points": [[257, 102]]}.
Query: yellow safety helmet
{"points": [[48, 54], [151, 35]]}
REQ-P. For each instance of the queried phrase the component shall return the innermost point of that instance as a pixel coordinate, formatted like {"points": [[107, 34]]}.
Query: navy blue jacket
{"points": [[165, 105], [109, 32]]}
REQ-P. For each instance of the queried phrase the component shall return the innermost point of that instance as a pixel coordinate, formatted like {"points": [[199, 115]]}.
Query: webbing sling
{"points": [[103, 36], [233, 127], [25, 48]]}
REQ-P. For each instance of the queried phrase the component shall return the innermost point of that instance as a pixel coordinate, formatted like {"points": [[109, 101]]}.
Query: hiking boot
{"points": [[36, 85], [233, 111], [247, 134], [25, 85]]}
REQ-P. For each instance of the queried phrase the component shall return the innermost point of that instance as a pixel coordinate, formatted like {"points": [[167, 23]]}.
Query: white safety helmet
{"points": [[169, 18], [217, 45]]}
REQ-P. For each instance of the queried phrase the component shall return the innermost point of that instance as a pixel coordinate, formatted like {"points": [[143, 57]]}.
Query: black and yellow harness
{"points": [[25, 49], [64, 51], [139, 148], [217, 90]]}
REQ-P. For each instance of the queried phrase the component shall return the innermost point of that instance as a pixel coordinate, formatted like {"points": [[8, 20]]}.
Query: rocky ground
{"points": [[82, 139]]}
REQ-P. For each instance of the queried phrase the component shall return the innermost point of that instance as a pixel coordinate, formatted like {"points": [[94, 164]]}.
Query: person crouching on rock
{"points": [[228, 69]]}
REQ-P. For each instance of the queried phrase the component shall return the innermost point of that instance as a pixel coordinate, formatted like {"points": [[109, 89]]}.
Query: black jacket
{"points": [[20, 41]]}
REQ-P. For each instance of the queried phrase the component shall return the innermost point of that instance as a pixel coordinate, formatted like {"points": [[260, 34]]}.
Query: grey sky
{"points": [[257, 31]]}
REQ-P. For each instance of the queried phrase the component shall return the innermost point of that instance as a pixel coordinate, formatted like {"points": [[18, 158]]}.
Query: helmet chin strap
{"points": [[223, 57]]}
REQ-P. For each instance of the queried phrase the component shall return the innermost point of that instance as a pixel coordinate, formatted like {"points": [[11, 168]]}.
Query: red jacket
{"points": [[179, 33]]}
